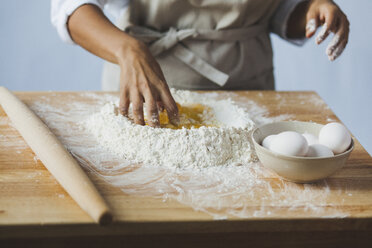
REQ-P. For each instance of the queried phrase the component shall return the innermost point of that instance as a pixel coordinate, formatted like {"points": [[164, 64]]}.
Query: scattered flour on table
{"points": [[9, 136], [225, 143], [244, 191]]}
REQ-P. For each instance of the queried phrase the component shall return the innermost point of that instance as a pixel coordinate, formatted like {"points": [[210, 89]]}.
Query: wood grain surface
{"points": [[33, 205]]}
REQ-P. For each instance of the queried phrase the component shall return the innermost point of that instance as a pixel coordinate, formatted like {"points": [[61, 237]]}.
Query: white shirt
{"points": [[62, 9]]}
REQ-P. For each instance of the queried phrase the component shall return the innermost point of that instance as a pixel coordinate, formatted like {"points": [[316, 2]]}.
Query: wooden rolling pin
{"points": [[55, 157]]}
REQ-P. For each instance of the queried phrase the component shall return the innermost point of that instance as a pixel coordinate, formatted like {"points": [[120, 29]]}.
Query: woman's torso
{"points": [[246, 61]]}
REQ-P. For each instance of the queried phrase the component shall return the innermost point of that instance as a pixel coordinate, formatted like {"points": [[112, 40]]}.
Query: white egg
{"points": [[267, 141], [335, 136], [289, 143], [318, 150], [310, 138]]}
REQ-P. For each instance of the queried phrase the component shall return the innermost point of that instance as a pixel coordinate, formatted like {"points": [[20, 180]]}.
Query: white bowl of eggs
{"points": [[303, 152]]}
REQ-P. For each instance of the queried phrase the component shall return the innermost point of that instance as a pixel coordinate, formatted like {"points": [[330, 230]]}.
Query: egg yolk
{"points": [[190, 116]]}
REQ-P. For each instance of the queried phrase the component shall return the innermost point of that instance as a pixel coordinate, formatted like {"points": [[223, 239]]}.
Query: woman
{"points": [[191, 44]]}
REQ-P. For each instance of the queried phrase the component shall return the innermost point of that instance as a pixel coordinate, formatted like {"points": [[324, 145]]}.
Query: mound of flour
{"points": [[228, 143]]}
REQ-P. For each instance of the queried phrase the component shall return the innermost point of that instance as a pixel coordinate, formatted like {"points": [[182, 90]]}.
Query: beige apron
{"points": [[203, 44]]}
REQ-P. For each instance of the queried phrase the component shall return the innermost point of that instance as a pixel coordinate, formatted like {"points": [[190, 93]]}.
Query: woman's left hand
{"points": [[327, 14]]}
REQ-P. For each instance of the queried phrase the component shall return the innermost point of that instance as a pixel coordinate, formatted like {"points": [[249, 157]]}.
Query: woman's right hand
{"points": [[142, 83]]}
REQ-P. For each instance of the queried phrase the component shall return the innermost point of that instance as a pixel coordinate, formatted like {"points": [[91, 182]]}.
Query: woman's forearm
{"points": [[91, 29], [141, 80]]}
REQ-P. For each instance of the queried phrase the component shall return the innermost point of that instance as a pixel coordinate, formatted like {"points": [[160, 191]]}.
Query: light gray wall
{"points": [[32, 57]]}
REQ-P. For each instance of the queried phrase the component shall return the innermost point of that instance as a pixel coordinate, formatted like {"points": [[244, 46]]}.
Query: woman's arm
{"points": [[141, 79], [308, 16]]}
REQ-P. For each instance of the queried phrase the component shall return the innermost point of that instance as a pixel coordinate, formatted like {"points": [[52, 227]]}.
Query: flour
{"points": [[226, 143], [311, 26], [322, 34], [244, 191]]}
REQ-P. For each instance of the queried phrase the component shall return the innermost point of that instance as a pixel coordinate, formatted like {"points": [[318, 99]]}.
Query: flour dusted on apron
{"points": [[203, 44]]}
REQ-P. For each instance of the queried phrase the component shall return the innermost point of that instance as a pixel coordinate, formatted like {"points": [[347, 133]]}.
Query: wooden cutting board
{"points": [[32, 204]]}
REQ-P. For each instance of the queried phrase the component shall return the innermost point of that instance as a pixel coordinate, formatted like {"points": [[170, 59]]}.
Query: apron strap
{"points": [[200, 66], [161, 42]]}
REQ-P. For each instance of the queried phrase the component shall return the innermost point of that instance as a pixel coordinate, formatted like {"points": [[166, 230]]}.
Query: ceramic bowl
{"points": [[297, 169]]}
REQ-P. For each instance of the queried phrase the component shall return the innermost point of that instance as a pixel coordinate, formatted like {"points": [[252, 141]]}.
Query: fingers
{"points": [[327, 27], [124, 95], [335, 42], [335, 21], [312, 22], [124, 103], [151, 109], [166, 99], [329, 16], [337, 51], [139, 95], [160, 106], [323, 34], [169, 104], [146, 86], [339, 41], [311, 27], [151, 92], [137, 108]]}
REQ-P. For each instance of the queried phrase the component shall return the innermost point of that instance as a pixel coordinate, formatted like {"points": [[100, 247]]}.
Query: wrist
{"points": [[128, 49], [319, 2]]}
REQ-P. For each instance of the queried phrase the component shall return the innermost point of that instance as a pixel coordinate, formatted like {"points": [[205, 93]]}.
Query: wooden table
{"points": [[35, 210]]}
